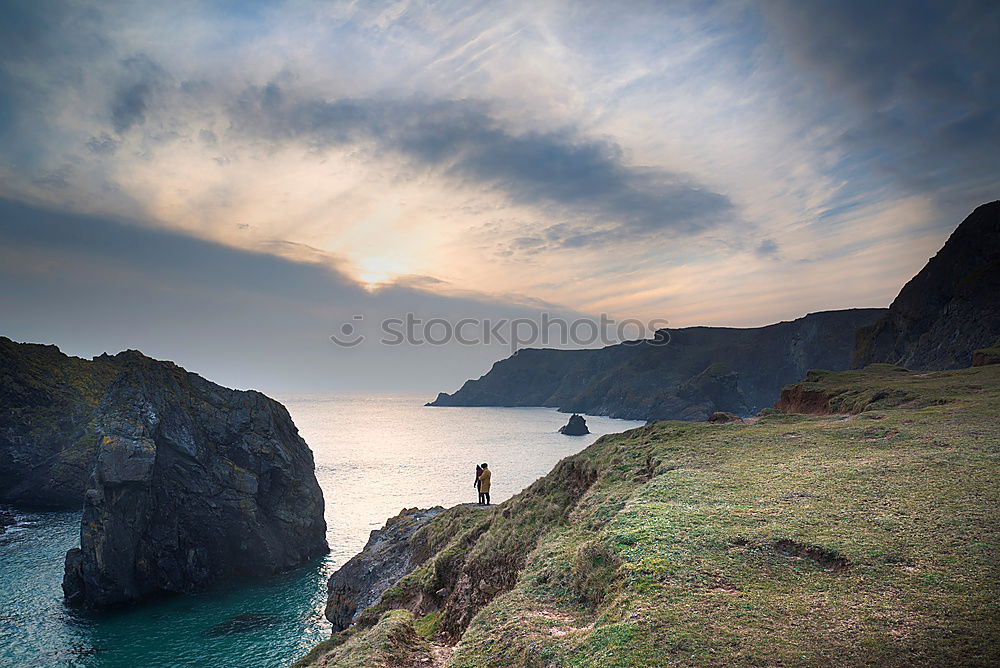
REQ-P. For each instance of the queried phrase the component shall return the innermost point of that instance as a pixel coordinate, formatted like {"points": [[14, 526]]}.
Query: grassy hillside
{"points": [[865, 537]]}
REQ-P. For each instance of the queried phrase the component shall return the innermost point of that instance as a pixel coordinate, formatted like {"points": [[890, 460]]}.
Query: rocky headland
{"points": [[192, 483], [47, 412], [391, 552]]}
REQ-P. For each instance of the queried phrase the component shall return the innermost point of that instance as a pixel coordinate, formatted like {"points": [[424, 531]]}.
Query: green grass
{"points": [[428, 625], [864, 538]]}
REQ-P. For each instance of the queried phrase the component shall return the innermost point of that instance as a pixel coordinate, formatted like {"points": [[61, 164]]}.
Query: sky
{"points": [[227, 184]]}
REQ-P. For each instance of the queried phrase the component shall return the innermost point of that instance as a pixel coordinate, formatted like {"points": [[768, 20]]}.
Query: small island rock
{"points": [[576, 426]]}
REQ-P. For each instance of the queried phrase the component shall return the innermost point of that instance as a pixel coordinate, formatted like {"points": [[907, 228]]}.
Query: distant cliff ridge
{"points": [[700, 371], [949, 309]]}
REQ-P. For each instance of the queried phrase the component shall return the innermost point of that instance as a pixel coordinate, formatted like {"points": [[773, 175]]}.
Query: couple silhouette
{"points": [[483, 475]]}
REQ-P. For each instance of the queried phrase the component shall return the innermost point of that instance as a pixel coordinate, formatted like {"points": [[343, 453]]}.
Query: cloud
{"points": [[136, 87], [922, 77], [565, 173], [767, 248], [103, 145], [673, 158]]}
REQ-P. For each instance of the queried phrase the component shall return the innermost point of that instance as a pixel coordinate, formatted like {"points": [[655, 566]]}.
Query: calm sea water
{"points": [[374, 456]]}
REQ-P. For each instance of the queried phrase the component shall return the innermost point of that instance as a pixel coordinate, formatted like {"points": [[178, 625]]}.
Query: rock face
{"points": [[47, 438], [949, 309], [699, 371], [391, 553], [576, 426], [192, 482]]}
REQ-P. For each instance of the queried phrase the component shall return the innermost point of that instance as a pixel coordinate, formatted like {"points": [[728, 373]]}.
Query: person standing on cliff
{"points": [[479, 472], [484, 485]]}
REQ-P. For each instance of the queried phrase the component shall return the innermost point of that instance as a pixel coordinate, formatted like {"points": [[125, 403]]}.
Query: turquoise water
{"points": [[374, 456]]}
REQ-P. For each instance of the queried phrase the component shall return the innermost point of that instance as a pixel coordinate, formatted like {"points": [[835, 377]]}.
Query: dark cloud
{"points": [[576, 177], [923, 75], [103, 145], [54, 178], [767, 248], [136, 87]]}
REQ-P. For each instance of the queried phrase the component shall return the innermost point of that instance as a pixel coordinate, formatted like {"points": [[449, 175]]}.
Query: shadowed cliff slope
{"points": [[949, 309], [701, 370]]}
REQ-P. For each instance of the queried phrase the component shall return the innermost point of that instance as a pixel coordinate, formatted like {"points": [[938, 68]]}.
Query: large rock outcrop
{"points": [[192, 483], [949, 309], [699, 371]]}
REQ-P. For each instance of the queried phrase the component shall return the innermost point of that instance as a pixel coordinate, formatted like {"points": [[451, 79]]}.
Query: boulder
{"points": [[576, 426], [192, 483]]}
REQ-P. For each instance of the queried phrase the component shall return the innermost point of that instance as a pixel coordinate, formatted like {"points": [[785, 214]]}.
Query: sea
{"points": [[375, 455]]}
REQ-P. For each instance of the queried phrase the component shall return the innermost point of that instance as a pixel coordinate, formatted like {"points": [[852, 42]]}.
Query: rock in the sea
{"points": [[391, 553], [949, 309], [576, 426], [192, 483]]}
